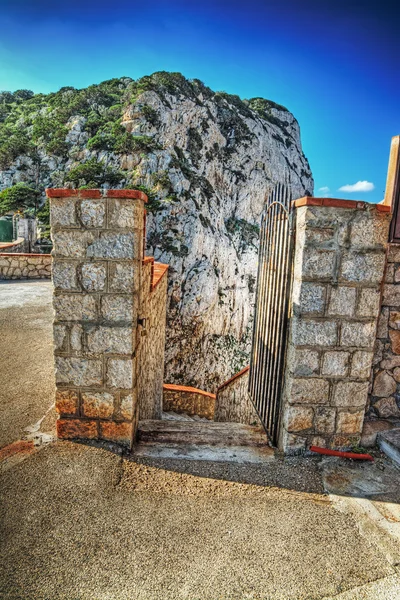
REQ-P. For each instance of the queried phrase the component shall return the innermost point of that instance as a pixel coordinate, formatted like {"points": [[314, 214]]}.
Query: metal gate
{"points": [[272, 310]]}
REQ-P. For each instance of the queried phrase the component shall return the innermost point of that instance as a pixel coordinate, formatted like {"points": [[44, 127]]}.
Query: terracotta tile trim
{"points": [[169, 387], [95, 193], [385, 208], [127, 194], [158, 273], [236, 376], [148, 259], [337, 203]]}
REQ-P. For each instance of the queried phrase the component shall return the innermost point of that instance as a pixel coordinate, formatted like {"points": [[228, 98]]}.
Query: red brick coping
{"points": [[158, 271], [236, 376], [191, 390], [338, 203], [97, 193], [158, 274]]}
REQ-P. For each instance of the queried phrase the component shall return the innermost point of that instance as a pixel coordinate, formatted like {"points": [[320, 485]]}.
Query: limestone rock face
{"points": [[210, 162]]}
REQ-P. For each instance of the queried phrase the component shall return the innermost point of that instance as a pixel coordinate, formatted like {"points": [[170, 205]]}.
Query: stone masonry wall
{"points": [[16, 247], [152, 341], [338, 269], [385, 380], [97, 263], [233, 402], [188, 400], [25, 266]]}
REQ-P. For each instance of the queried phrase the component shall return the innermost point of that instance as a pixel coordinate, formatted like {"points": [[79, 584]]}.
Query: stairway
{"points": [[202, 440]]}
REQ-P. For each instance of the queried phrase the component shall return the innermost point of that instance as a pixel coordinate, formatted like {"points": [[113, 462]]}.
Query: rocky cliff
{"points": [[207, 161]]}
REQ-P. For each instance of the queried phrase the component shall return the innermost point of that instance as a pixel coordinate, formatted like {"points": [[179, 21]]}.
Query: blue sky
{"points": [[334, 64]]}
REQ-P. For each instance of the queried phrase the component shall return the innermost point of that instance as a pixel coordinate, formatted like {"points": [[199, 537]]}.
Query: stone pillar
{"points": [[97, 268], [338, 269]]}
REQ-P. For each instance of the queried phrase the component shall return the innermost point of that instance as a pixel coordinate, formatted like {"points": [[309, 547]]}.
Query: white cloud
{"points": [[360, 186], [324, 189]]}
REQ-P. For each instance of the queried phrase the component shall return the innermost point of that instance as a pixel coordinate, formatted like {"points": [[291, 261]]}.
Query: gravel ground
{"points": [[26, 356]]}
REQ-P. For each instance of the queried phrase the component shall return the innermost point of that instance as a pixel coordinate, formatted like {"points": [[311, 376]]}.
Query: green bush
{"points": [[93, 174], [19, 197]]}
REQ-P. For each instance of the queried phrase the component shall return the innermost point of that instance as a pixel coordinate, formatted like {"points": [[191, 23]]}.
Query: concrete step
{"points": [[199, 433], [204, 452], [389, 443], [170, 415]]}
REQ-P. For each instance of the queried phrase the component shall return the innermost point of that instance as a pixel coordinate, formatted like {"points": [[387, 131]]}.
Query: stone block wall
{"points": [[97, 270], [338, 269], [233, 402], [385, 380], [188, 400], [152, 339], [25, 266]]}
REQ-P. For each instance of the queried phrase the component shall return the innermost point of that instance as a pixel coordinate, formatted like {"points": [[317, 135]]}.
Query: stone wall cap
{"points": [[95, 193], [26, 254], [338, 203]]}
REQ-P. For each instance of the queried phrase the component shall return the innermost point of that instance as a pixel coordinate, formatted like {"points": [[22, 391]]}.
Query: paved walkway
{"points": [[26, 356], [82, 523]]}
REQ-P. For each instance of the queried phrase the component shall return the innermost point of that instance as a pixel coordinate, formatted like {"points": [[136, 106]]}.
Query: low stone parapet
{"points": [[25, 266], [188, 400], [14, 247]]}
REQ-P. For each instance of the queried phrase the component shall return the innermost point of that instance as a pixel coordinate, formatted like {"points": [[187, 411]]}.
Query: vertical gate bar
{"points": [[271, 309], [271, 389], [271, 266], [258, 372], [279, 283], [261, 284], [256, 324], [281, 317], [268, 382], [265, 309], [272, 382], [288, 288]]}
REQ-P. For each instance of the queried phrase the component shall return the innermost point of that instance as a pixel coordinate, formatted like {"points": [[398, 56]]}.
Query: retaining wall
{"points": [[25, 266]]}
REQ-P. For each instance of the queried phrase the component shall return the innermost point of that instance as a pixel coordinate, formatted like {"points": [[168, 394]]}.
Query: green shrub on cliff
{"points": [[19, 197], [93, 174]]}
